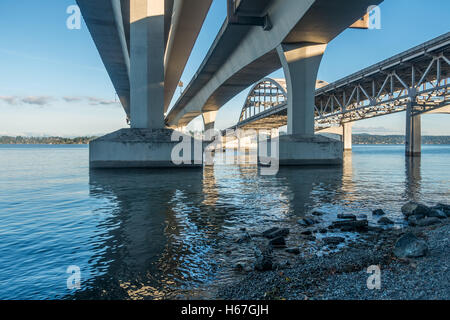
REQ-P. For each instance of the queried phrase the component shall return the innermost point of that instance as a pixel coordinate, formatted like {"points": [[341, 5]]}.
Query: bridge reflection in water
{"points": [[167, 232]]}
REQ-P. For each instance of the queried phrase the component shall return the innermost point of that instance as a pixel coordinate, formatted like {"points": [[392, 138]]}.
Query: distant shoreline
{"points": [[358, 139]]}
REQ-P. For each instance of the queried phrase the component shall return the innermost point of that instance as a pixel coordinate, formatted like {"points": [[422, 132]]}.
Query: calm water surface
{"points": [[160, 234]]}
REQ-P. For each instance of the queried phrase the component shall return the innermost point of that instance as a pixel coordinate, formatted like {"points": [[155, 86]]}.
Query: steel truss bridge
{"points": [[416, 79]]}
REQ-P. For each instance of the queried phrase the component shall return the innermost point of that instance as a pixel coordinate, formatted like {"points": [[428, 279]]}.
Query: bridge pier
{"points": [[413, 137], [347, 136], [148, 143], [209, 119], [300, 62]]}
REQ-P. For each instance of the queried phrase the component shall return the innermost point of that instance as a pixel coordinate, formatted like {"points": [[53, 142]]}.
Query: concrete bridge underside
{"points": [[145, 44], [415, 81]]}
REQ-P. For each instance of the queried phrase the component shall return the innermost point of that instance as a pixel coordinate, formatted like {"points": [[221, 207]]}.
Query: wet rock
{"points": [[358, 225], [323, 230], [412, 221], [278, 242], [269, 231], [306, 222], [437, 213], [264, 259], [409, 246], [294, 250], [333, 240], [244, 238], [317, 212], [278, 233], [375, 229], [428, 221], [310, 238], [416, 209], [444, 208], [307, 232], [378, 212], [385, 221], [239, 267], [347, 216]]}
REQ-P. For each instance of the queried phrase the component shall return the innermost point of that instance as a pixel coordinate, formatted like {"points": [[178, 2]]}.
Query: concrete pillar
{"points": [[413, 138], [347, 136], [301, 63], [147, 64], [209, 119]]}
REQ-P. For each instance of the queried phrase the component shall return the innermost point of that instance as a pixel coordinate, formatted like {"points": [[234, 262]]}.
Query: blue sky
{"points": [[53, 82]]}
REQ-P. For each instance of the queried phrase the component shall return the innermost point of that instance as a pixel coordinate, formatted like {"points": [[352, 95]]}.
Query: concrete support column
{"points": [[413, 138], [209, 119], [147, 63], [347, 136], [301, 63]]}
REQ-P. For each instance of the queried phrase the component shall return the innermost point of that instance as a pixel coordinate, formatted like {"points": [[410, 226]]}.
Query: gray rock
{"points": [[378, 212], [347, 216], [437, 213], [278, 233], [306, 222], [333, 240], [412, 220], [244, 238], [409, 246], [264, 259], [294, 250], [416, 209], [444, 208], [317, 212], [278, 242], [269, 231], [385, 220], [359, 225], [428, 221]]}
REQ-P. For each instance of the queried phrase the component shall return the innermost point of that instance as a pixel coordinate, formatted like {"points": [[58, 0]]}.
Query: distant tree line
{"points": [[396, 139], [45, 140], [357, 139]]}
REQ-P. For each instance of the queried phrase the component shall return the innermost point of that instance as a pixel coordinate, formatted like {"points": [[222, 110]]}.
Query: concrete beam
{"points": [[147, 64], [186, 23], [242, 55]]}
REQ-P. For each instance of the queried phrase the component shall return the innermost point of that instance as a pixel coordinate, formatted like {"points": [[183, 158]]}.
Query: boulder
{"points": [[428, 221], [347, 216], [378, 212], [444, 208], [416, 209], [277, 233], [437, 213], [306, 222], [385, 220], [409, 246], [244, 238], [264, 259], [333, 240], [294, 250], [269, 231], [278, 242], [317, 212], [348, 225]]}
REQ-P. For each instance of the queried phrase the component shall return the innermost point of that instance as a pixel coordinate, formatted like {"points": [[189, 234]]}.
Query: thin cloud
{"points": [[42, 101], [38, 100], [9, 100], [93, 101], [72, 99]]}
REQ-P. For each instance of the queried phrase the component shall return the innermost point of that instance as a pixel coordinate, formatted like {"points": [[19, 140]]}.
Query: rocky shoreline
{"points": [[413, 260]]}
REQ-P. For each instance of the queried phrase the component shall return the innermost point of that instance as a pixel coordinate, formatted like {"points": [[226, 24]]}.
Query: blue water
{"points": [[162, 233]]}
